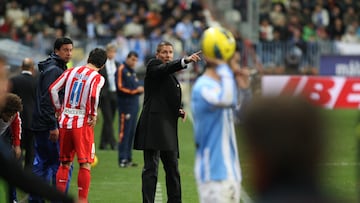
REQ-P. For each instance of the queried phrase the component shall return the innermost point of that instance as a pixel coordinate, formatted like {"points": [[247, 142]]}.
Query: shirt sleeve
{"points": [[16, 130], [54, 89], [97, 84]]}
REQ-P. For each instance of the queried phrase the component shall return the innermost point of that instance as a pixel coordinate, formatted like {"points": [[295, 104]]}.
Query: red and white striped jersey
{"points": [[82, 89]]}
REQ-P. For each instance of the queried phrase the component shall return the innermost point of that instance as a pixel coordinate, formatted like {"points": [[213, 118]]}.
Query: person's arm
{"points": [[226, 95], [156, 68], [14, 174], [54, 89], [97, 84], [48, 111], [16, 134]]}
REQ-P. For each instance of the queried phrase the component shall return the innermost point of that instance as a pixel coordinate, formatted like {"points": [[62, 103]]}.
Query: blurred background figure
{"points": [[108, 99], [10, 132], [214, 96], [128, 90], [243, 83], [286, 141], [24, 85]]}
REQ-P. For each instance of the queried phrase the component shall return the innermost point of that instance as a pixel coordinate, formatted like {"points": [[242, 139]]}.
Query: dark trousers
{"points": [[27, 144], [108, 106], [6, 137], [150, 175], [127, 121]]}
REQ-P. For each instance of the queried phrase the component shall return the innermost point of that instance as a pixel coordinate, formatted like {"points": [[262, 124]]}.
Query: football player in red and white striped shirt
{"points": [[77, 118]]}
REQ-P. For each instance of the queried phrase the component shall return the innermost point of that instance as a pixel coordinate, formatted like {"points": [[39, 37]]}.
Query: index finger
{"points": [[198, 52]]}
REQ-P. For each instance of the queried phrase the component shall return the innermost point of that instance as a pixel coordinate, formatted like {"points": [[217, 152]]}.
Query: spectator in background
{"points": [[350, 35], [285, 136], [184, 29], [134, 27], [337, 31], [10, 132], [15, 14], [44, 123], [128, 90], [108, 99], [277, 16], [266, 30], [320, 16], [139, 44], [350, 15], [168, 8], [24, 85]]}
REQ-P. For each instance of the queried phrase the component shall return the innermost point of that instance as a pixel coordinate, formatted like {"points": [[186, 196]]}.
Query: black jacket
{"points": [[24, 85], [44, 113], [157, 125]]}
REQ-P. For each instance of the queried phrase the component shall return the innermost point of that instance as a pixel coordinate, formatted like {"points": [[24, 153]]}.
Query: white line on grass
{"points": [[158, 193]]}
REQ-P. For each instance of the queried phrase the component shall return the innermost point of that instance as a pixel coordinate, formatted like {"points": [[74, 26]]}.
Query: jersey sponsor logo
{"points": [[328, 92], [74, 112]]}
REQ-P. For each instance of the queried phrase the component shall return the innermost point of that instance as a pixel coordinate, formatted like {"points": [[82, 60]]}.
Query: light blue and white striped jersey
{"points": [[212, 106]]}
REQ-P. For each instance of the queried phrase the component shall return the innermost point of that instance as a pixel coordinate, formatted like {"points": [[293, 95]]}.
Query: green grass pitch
{"points": [[110, 183]]}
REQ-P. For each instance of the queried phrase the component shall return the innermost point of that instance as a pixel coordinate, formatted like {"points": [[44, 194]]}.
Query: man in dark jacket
{"points": [[24, 85], [44, 123], [156, 131]]}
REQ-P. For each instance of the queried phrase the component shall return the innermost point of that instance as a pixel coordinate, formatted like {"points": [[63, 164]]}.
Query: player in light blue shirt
{"points": [[217, 166]]}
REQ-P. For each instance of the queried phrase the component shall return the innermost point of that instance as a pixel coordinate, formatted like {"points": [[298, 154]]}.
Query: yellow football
{"points": [[96, 161], [218, 42]]}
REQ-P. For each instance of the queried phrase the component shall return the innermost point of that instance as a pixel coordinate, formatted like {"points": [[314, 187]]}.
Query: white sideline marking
{"points": [[341, 164], [158, 193]]}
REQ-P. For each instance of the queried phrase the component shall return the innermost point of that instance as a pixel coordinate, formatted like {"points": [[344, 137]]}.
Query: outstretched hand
{"points": [[195, 57], [182, 115]]}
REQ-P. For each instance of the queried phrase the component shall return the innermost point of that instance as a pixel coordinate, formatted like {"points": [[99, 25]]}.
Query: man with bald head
{"points": [[24, 85]]}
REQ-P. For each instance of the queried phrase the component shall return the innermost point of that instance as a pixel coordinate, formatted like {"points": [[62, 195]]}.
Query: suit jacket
{"points": [[157, 126], [24, 85]]}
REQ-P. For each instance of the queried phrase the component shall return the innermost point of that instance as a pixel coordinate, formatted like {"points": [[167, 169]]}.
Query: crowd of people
{"points": [[141, 25], [310, 21]]}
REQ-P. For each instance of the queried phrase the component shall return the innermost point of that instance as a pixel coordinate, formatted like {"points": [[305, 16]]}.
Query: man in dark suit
{"points": [[156, 131], [108, 98], [24, 85]]}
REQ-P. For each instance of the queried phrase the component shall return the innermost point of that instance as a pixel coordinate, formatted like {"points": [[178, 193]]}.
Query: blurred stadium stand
{"points": [[15, 52], [295, 29]]}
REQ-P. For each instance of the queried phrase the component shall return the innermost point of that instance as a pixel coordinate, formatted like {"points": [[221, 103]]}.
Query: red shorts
{"points": [[79, 141]]}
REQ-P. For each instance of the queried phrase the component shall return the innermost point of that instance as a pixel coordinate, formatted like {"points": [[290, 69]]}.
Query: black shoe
{"points": [[132, 164], [102, 147]]}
